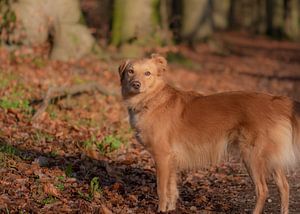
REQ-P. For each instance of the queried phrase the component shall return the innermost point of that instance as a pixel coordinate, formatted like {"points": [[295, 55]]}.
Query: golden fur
{"points": [[187, 130]]}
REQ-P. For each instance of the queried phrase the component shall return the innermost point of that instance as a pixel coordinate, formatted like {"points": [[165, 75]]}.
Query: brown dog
{"points": [[186, 130]]}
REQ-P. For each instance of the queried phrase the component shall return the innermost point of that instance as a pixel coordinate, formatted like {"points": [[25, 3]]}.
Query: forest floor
{"points": [[79, 155]]}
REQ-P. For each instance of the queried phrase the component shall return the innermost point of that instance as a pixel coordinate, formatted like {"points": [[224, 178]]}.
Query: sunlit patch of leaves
{"points": [[4, 159], [14, 99], [40, 136], [95, 190], [110, 143], [95, 187], [8, 149], [39, 62], [53, 115], [60, 186], [66, 117], [85, 196], [107, 145], [87, 122], [52, 111], [9, 154], [88, 144], [53, 154], [6, 79], [7, 160], [61, 178], [23, 105], [78, 79], [49, 200]]}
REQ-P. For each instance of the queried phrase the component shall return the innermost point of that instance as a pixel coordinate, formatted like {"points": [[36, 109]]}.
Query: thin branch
{"points": [[54, 93]]}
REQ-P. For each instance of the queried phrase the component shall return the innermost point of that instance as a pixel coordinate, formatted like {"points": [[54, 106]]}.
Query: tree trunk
{"points": [[135, 22], [197, 21], [61, 19], [221, 14], [98, 15], [275, 18], [202, 17], [292, 22], [283, 19], [165, 14]]}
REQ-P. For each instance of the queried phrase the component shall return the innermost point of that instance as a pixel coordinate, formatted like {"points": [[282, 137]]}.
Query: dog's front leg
{"points": [[173, 190], [163, 175]]}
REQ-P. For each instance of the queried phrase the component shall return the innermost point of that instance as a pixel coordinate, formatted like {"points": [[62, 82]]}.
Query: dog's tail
{"points": [[296, 128]]}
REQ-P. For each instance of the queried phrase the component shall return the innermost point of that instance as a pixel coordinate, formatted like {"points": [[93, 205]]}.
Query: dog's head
{"points": [[142, 76]]}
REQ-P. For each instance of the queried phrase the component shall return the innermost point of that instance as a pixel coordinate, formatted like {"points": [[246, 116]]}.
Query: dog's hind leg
{"points": [[283, 186], [259, 172], [253, 155]]}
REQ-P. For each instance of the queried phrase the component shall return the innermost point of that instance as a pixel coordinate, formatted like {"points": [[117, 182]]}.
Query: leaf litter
{"points": [[81, 157]]}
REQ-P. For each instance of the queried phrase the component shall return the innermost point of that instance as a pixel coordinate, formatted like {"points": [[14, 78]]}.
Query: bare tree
{"points": [[60, 20], [200, 18]]}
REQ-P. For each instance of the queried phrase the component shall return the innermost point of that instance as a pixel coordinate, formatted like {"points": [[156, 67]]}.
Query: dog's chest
{"points": [[135, 120]]}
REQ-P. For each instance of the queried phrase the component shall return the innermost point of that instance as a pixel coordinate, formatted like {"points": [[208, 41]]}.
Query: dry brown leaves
{"points": [[48, 165]]}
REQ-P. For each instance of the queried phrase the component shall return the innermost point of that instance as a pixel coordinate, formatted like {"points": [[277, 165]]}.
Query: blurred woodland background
{"points": [[74, 28], [65, 142]]}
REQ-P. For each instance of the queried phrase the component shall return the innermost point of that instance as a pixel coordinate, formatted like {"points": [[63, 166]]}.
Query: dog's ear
{"points": [[161, 62], [122, 67]]}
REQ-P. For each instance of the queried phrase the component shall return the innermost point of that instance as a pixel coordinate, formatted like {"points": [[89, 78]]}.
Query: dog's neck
{"points": [[144, 101]]}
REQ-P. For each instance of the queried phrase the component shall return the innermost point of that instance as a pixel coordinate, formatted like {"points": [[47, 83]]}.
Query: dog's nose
{"points": [[136, 84]]}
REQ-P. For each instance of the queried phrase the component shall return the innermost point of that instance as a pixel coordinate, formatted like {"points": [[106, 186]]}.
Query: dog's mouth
{"points": [[134, 91]]}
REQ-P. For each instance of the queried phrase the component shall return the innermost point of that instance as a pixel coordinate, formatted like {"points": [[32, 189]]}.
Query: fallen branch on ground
{"points": [[54, 93]]}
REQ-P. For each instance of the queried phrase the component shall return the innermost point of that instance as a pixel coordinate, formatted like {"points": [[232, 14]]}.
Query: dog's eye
{"points": [[130, 71], [147, 73]]}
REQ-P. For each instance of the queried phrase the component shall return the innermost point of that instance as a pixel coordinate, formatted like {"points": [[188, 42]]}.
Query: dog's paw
{"points": [[162, 209], [171, 206], [168, 208]]}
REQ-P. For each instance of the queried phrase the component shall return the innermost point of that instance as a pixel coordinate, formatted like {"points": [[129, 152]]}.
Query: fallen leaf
{"points": [[105, 210], [51, 190]]}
